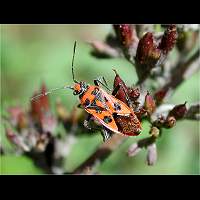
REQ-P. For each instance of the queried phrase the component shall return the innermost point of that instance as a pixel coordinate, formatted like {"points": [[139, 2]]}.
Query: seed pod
{"points": [[134, 149], [169, 39], [178, 111], [155, 132], [147, 56], [121, 92], [133, 93], [124, 34], [149, 105], [170, 122], [151, 154], [147, 52], [40, 106]]}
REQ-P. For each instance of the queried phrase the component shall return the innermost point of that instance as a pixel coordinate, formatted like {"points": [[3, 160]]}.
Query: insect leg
{"points": [[87, 121], [104, 80], [79, 105], [98, 81], [106, 133], [86, 124]]}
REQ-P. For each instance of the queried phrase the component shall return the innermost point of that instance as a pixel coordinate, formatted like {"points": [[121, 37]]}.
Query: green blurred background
{"points": [[31, 54]]}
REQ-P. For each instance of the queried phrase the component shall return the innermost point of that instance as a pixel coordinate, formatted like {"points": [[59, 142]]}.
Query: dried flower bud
{"points": [[124, 33], [170, 122], [147, 52], [133, 93], [155, 132], [40, 107], [134, 149], [178, 111], [151, 154], [169, 39], [149, 104], [121, 92]]}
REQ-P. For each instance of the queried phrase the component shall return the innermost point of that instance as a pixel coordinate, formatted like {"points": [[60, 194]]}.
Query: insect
{"points": [[103, 107]]}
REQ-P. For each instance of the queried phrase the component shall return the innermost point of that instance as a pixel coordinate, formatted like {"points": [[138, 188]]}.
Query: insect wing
{"points": [[105, 118], [115, 105]]}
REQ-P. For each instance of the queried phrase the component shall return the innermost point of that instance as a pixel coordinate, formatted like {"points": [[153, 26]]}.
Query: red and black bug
{"points": [[109, 111]]}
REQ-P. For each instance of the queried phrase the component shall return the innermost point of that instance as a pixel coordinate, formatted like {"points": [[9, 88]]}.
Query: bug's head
{"points": [[80, 88]]}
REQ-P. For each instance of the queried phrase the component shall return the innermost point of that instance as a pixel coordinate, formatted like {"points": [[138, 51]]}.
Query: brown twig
{"points": [[100, 154]]}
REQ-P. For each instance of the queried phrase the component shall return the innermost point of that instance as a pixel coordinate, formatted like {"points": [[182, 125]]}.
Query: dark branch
{"points": [[100, 154], [182, 72]]}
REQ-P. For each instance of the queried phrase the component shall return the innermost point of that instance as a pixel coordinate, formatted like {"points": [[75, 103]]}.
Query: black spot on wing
{"points": [[117, 106], [107, 119], [106, 100], [98, 109], [94, 103], [87, 102]]}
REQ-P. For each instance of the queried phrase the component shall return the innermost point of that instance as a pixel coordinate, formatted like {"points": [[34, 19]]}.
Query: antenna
{"points": [[74, 51], [49, 92]]}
